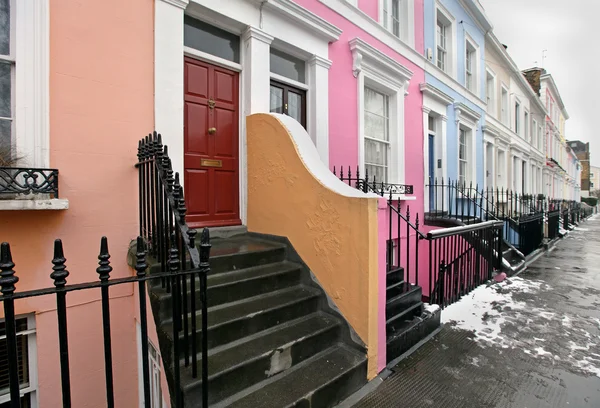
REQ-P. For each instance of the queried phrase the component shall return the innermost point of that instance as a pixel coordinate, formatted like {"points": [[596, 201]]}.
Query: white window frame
{"points": [[526, 125], [387, 142], [504, 105], [406, 19], [467, 143], [491, 99], [534, 133], [446, 19], [32, 389], [517, 116], [472, 48], [467, 119], [30, 41], [376, 70]]}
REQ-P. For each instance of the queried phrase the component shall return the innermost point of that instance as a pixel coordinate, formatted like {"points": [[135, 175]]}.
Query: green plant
{"points": [[8, 154]]}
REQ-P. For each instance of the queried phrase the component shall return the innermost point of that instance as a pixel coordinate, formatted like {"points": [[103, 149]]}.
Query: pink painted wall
{"points": [[343, 118], [101, 102], [370, 8]]}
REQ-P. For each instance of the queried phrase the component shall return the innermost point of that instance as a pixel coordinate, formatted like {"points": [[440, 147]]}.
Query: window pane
{"points": [[376, 152], [4, 27], [5, 142], [396, 17], [210, 39], [287, 65], [5, 90], [276, 104], [431, 123], [375, 126], [295, 106], [375, 102], [380, 173], [376, 115]]}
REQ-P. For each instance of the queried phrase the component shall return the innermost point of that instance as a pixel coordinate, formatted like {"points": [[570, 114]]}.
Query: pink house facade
{"points": [[264, 106]]}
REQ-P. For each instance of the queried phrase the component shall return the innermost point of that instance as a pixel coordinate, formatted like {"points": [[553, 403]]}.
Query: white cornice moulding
{"points": [[366, 57], [182, 4], [302, 16], [435, 93], [374, 28], [253, 32], [463, 111], [320, 61]]}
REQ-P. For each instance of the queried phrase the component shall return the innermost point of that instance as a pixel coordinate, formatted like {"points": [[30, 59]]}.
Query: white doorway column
{"points": [[318, 105], [168, 76], [256, 78]]}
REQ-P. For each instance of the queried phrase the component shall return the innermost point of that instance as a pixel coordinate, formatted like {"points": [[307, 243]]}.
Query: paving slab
{"points": [[531, 341]]}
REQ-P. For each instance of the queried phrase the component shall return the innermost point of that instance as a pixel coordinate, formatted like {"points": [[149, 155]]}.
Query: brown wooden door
{"points": [[211, 124]]}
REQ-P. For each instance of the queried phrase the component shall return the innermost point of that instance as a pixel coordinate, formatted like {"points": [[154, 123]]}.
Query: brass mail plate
{"points": [[211, 163]]}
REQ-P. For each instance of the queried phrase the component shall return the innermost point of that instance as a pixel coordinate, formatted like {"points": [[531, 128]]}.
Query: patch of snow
{"points": [[541, 352], [431, 308], [501, 317], [580, 229]]}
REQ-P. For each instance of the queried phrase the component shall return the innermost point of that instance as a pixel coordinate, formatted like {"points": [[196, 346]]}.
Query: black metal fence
{"points": [[59, 275], [553, 224], [456, 259], [172, 243], [371, 185], [463, 201], [462, 258], [530, 233], [16, 180]]}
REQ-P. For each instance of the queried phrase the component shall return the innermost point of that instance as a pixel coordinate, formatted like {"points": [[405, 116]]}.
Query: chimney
{"points": [[533, 76]]}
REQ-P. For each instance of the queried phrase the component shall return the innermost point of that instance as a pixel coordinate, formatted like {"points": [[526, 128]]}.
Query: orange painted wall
{"points": [[101, 103], [335, 235]]}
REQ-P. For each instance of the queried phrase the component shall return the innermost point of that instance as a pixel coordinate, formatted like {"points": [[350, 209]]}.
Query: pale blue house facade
{"points": [[454, 92]]}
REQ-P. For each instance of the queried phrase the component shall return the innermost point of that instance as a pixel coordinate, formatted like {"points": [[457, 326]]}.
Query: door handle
{"points": [[212, 131]]}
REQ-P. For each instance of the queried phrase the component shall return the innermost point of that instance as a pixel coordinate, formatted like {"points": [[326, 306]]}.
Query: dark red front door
{"points": [[211, 122]]}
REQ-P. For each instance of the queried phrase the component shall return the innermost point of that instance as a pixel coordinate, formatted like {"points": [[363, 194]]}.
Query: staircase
{"points": [[512, 259], [407, 323], [274, 338]]}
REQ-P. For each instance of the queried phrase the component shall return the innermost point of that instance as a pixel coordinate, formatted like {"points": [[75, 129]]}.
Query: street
{"points": [[530, 341]]}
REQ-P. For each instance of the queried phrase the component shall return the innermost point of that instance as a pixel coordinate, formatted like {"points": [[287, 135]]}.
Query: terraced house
{"points": [[251, 197]]}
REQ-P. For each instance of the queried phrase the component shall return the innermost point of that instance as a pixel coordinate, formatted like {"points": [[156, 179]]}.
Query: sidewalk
{"points": [[531, 341]]}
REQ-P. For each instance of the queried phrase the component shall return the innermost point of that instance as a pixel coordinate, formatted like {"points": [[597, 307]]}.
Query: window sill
{"points": [[55, 204], [403, 197]]}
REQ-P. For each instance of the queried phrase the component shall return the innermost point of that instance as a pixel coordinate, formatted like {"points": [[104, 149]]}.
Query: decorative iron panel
{"points": [[15, 180]]}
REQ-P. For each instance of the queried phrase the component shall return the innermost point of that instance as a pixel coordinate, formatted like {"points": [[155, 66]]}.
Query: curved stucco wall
{"points": [[331, 225]]}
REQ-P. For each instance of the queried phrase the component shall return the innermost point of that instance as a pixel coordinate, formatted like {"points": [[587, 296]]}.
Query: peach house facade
{"points": [[264, 106]]}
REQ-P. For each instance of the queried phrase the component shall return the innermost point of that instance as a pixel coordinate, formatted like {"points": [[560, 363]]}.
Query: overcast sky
{"points": [[567, 29]]}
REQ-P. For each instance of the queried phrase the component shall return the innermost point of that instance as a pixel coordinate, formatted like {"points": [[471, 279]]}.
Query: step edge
{"points": [[290, 269], [312, 334], [413, 289], [304, 298], [330, 350], [404, 312]]}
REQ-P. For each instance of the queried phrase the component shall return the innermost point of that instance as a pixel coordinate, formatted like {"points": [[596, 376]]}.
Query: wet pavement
{"points": [[531, 341]]}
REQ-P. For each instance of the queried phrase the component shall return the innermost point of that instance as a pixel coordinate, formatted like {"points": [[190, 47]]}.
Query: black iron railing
{"points": [[399, 223], [530, 233], [553, 224], [59, 275], [463, 201], [172, 243], [456, 259], [372, 185], [462, 258], [16, 180]]}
